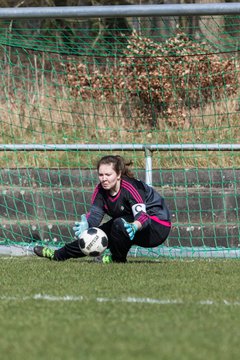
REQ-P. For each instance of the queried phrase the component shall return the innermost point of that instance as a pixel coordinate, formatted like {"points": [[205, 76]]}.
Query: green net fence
{"points": [[170, 80]]}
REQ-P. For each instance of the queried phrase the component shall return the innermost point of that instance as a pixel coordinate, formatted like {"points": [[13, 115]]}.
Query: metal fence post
{"points": [[148, 166]]}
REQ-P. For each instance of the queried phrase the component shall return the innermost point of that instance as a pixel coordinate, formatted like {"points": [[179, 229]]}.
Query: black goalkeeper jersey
{"points": [[134, 198]]}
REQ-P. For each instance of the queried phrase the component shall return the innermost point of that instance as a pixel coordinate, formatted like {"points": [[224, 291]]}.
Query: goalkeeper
{"points": [[138, 214]]}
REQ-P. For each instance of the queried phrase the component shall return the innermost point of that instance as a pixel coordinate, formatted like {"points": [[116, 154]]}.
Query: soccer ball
{"points": [[93, 241]]}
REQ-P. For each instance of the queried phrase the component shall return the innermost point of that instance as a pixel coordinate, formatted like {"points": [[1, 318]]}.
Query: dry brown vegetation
{"points": [[158, 82], [157, 93]]}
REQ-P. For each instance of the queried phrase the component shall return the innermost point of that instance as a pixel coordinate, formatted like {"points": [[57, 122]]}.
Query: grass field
{"points": [[145, 309]]}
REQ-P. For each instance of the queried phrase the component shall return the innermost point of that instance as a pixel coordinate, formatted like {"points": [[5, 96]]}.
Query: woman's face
{"points": [[108, 177]]}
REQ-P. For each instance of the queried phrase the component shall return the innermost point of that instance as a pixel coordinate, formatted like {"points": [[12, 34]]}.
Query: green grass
{"points": [[119, 327]]}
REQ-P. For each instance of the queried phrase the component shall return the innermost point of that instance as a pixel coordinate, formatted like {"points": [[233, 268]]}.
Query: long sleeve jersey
{"points": [[134, 198]]}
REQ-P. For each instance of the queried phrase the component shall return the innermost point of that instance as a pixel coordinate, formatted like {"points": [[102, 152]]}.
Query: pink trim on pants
{"points": [[162, 222]]}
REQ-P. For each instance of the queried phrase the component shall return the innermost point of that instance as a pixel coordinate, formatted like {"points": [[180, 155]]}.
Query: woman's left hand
{"points": [[131, 229]]}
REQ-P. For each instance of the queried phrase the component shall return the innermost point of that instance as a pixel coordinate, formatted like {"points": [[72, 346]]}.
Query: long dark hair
{"points": [[120, 166]]}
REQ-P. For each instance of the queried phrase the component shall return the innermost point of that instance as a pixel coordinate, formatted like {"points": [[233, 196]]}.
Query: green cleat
{"points": [[44, 252], [107, 259]]}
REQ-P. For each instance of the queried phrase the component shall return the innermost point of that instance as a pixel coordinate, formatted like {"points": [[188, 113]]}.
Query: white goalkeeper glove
{"points": [[81, 226]]}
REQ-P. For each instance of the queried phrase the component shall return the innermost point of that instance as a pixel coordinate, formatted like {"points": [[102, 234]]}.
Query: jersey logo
{"points": [[137, 208]]}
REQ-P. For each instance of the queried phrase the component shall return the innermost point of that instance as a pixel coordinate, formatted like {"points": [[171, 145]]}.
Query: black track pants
{"points": [[119, 243]]}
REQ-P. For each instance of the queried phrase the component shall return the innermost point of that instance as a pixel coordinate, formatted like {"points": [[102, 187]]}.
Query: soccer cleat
{"points": [[44, 252], [107, 259]]}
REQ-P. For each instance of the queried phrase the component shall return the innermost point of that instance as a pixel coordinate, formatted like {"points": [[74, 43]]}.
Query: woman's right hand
{"points": [[80, 226]]}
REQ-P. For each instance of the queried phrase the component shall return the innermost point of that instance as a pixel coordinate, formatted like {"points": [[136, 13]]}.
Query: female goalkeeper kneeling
{"points": [[139, 214]]}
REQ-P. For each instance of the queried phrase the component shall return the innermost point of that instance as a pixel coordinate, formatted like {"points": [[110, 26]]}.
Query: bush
{"points": [[155, 80]]}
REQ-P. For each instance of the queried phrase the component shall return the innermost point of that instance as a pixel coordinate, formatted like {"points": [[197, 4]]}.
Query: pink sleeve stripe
{"points": [[135, 194], [142, 218], [96, 191]]}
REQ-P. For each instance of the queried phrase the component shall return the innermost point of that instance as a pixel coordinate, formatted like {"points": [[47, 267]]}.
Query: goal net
{"points": [[160, 80]]}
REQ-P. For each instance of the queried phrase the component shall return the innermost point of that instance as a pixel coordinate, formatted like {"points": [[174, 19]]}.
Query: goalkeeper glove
{"points": [[131, 229], [80, 226]]}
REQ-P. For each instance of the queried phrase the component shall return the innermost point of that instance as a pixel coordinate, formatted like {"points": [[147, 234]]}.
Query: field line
{"points": [[133, 300]]}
